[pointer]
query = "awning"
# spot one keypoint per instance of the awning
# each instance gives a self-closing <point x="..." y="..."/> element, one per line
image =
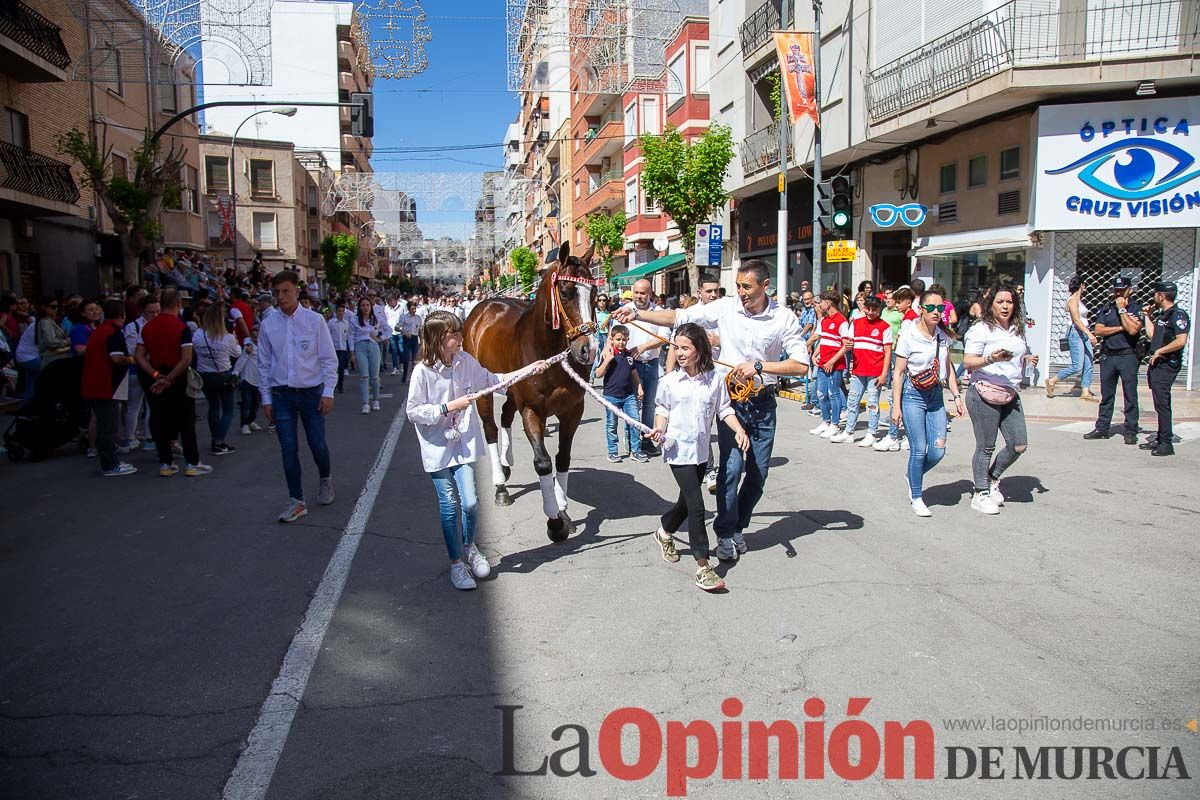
<point x="649" y="268"/>
<point x="1013" y="237"/>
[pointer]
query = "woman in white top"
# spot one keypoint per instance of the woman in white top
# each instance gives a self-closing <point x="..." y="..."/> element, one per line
<point x="922" y="363"/>
<point x="1081" y="342"/>
<point x="451" y="436"/>
<point x="685" y="403"/>
<point x="365" y="338"/>
<point x="995" y="352"/>
<point x="215" y="350"/>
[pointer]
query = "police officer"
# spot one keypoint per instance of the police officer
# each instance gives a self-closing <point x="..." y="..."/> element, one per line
<point x="1167" y="326"/>
<point x="1118" y="325"/>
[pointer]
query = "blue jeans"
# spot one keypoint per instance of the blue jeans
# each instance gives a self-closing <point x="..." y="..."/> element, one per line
<point x="396" y="348"/>
<point x="648" y="372"/>
<point x="860" y="385"/>
<point x="1081" y="359"/>
<point x="291" y="407"/>
<point x="629" y="406"/>
<point x="219" y="396"/>
<point x="925" y="421"/>
<point x="457" y="501"/>
<point x="29" y="371"/>
<point x="735" y="505"/>
<point x="366" y="356"/>
<point x="831" y="396"/>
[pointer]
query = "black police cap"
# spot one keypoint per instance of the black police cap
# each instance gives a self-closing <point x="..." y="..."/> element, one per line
<point x="1121" y="282"/>
<point x="1166" y="286"/>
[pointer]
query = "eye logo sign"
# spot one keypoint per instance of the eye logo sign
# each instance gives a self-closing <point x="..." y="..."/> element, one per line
<point x="1134" y="170"/>
<point x="885" y="215"/>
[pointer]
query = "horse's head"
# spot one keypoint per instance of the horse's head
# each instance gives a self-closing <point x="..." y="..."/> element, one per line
<point x="573" y="301"/>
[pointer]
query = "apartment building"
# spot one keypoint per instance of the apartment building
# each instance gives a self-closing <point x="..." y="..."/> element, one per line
<point x="984" y="114"/>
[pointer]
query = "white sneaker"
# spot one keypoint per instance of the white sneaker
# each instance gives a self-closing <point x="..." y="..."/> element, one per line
<point x="375" y="406"/>
<point x="739" y="542"/>
<point x="867" y="441"/>
<point x="710" y="481"/>
<point x="460" y="576"/>
<point x="994" y="491"/>
<point x="820" y="429"/>
<point x="814" y="412"/>
<point x="830" y="432"/>
<point x="841" y="436"/>
<point x="395" y="372"/>
<point x="479" y="563"/>
<point x="887" y="445"/>
<point x="984" y="504"/>
<point x="920" y="509"/>
<point x="904" y="443"/>
<point x="366" y="409"/>
<point x="254" y="426"/>
<point x="246" y="430"/>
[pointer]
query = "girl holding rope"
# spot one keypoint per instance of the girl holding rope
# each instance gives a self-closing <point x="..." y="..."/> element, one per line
<point x="444" y="384"/>
<point x="687" y="400"/>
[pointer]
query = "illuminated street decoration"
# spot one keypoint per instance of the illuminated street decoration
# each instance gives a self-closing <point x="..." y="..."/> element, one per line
<point x="393" y="34"/>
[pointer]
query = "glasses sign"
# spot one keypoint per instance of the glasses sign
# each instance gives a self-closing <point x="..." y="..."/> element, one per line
<point x="885" y="215"/>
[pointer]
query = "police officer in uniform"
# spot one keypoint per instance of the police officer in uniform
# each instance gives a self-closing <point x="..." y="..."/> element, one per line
<point x="1167" y="326"/>
<point x="1118" y="325"/>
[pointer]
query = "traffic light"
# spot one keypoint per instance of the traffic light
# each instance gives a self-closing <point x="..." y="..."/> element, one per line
<point x="362" y="114"/>
<point x="835" y="208"/>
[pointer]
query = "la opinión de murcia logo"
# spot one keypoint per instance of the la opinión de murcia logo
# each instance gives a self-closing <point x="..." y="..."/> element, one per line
<point x="853" y="749"/>
<point x="1132" y="174"/>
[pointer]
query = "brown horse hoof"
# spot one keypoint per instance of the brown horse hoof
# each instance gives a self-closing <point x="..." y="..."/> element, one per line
<point x="558" y="529"/>
<point x="503" y="499"/>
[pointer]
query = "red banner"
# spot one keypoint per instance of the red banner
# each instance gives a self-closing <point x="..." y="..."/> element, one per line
<point x="795" y="50"/>
<point x="225" y="214"/>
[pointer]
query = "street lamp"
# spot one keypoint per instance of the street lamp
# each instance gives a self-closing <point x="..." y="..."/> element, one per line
<point x="287" y="111"/>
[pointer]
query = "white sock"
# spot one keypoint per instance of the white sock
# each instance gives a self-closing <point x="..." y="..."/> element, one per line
<point x="497" y="471"/>
<point x="549" y="500"/>
<point x="560" y="490"/>
<point x="506" y="454"/>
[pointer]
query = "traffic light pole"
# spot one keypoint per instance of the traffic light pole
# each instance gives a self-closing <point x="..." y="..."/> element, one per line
<point x="817" y="254"/>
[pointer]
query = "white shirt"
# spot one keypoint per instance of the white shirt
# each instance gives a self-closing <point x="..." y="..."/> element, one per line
<point x="410" y="324"/>
<point x="428" y="389"/>
<point x="339" y="331"/>
<point x="750" y="337"/>
<point x="214" y="355"/>
<point x="983" y="340"/>
<point x="392" y="316"/>
<point x="133" y="336"/>
<point x="368" y="332"/>
<point x="920" y="351"/>
<point x="26" y="349"/>
<point x="640" y="339"/>
<point x="246" y="367"/>
<point x="689" y="405"/>
<point x="296" y="351"/>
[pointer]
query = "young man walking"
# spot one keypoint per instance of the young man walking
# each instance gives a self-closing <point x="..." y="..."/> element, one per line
<point x="297" y="368"/>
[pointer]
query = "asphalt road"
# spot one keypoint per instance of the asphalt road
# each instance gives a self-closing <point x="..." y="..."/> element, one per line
<point x="144" y="621"/>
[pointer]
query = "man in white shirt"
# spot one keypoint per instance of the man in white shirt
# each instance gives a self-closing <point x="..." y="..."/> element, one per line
<point x="645" y="349"/>
<point x="391" y="317"/>
<point x="755" y="331"/>
<point x="148" y="305"/>
<point x="409" y="326"/>
<point x="297" y="368"/>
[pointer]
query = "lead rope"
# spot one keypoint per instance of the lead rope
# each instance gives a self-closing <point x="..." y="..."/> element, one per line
<point x="739" y="390"/>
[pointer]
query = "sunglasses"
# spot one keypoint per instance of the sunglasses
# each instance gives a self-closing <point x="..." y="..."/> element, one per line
<point x="939" y="308"/>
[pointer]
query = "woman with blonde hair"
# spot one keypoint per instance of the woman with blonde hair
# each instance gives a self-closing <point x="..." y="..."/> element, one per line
<point x="216" y="349"/>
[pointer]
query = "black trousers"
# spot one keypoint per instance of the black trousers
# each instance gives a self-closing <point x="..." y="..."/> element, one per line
<point x="173" y="416"/>
<point x="689" y="506"/>
<point x="1125" y="367"/>
<point x="1161" y="377"/>
<point x="106" y="432"/>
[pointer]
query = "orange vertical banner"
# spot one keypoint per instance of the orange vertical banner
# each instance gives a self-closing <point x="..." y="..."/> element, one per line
<point x="795" y="50"/>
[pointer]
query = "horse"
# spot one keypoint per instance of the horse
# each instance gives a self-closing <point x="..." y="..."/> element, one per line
<point x="506" y="334"/>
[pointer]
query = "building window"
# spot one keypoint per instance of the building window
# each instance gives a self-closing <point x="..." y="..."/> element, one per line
<point x="701" y="70"/>
<point x="650" y="121"/>
<point x="977" y="171"/>
<point x="216" y="174"/>
<point x="677" y="78"/>
<point x="631" y="198"/>
<point x="265" y="237"/>
<point x="262" y="177"/>
<point x="314" y="244"/>
<point x="312" y="201"/>
<point x="16" y="128"/>
<point x="1010" y="163"/>
<point x="120" y="166"/>
<point x="189" y="200"/>
<point x="112" y="60"/>
<point x="166" y="89"/>
<point x="649" y="204"/>
<point x="949" y="178"/>
<point x="727" y="25"/>
<point x="833" y="59"/>
<point x="630" y="123"/>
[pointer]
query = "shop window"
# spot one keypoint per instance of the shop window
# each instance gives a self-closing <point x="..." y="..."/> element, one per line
<point x="1010" y="163"/>
<point x="948" y="178"/>
<point x="964" y="272"/>
<point x="977" y="171"/>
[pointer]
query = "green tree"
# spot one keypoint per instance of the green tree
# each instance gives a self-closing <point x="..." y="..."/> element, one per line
<point x="339" y="252"/>
<point x="686" y="179"/>
<point x="607" y="233"/>
<point x="776" y="88"/>
<point x="525" y="262"/>
<point x="134" y="204"/>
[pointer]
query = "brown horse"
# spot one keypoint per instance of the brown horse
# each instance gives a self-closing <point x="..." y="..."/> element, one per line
<point x="505" y="334"/>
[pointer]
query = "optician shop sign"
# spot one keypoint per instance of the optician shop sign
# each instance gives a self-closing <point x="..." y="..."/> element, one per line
<point x="1107" y="166"/>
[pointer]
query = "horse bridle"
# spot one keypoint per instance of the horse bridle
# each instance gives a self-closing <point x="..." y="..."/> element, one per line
<point x="559" y="312"/>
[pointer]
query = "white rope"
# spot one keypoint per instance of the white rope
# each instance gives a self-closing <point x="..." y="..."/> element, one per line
<point x="587" y="387"/>
<point x="518" y="376"/>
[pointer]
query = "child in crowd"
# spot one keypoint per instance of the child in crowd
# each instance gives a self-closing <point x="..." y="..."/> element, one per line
<point x="247" y="370"/>
<point x="623" y="389"/>
<point x="451" y="435"/>
<point x="686" y="401"/>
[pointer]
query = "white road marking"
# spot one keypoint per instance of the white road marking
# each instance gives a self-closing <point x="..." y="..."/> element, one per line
<point x="256" y="764"/>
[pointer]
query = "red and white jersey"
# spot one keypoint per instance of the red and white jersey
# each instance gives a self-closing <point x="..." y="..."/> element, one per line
<point x="833" y="330"/>
<point x="869" y="341"/>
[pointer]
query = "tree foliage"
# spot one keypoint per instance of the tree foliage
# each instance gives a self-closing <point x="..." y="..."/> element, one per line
<point x="525" y="262"/>
<point x="607" y="233"/>
<point x="686" y="179"/>
<point x="339" y="253"/>
<point x="134" y="204"/>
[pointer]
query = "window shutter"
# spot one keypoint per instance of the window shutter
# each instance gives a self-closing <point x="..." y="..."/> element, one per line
<point x="948" y="212"/>
<point x="1009" y="202"/>
<point x="261" y="177"/>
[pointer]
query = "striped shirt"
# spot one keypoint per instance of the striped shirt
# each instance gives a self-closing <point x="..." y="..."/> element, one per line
<point x="869" y="340"/>
<point x="834" y="329"/>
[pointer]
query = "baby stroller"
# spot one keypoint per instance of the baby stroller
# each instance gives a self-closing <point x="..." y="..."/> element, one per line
<point x="52" y="416"/>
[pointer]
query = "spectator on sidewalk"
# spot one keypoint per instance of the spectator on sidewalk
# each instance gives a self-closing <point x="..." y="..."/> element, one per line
<point x="136" y="425"/>
<point x="246" y="370"/>
<point x="215" y="350"/>
<point x="105" y="384"/>
<point x="872" y="342"/>
<point x="831" y="365"/>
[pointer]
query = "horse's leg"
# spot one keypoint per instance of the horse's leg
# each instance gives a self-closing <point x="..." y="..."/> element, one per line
<point x="507" y="412"/>
<point x="568" y="423"/>
<point x="499" y="473"/>
<point x="535" y="430"/>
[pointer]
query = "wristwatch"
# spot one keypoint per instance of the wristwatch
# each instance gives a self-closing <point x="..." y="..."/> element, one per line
<point x="758" y="365"/>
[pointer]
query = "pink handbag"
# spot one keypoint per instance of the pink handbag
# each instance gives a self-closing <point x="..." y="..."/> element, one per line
<point x="994" y="394"/>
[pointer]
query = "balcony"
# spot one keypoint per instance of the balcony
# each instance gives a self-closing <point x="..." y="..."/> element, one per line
<point x="347" y="58"/>
<point x="344" y="116"/>
<point x="31" y="46"/>
<point x="346" y="81"/>
<point x="605" y="138"/>
<point x="760" y="150"/>
<point x="34" y="180"/>
<point x="756" y="30"/>
<point x="1015" y="36"/>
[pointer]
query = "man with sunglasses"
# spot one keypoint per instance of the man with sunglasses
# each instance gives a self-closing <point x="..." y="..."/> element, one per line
<point x="1118" y="324"/>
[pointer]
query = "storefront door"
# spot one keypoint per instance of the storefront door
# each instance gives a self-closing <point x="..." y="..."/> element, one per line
<point x="889" y="257"/>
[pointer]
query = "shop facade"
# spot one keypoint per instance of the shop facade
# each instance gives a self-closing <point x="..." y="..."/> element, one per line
<point x="757" y="231"/>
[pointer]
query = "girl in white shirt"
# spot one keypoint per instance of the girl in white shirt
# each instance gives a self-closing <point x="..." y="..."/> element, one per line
<point x="365" y="335"/>
<point x="922" y="364"/>
<point x="215" y="350"/>
<point x="451" y="435"/>
<point x="685" y="404"/>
